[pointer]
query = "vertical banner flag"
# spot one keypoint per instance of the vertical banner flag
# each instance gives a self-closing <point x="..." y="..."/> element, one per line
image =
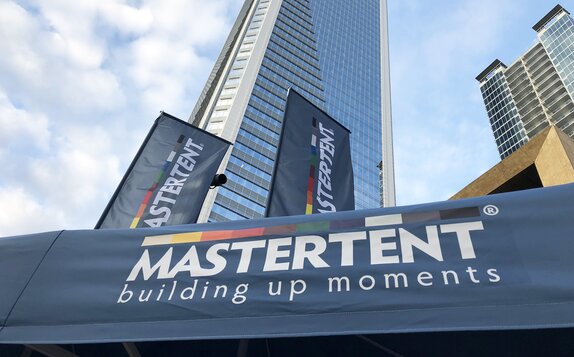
<point x="168" y="179"/>
<point x="313" y="170"/>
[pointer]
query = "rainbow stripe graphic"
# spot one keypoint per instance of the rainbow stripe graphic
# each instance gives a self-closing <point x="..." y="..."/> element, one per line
<point x="311" y="227"/>
<point x="158" y="179"/>
<point x="311" y="181"/>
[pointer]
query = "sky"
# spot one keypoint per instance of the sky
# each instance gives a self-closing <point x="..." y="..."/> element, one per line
<point x="81" y="83"/>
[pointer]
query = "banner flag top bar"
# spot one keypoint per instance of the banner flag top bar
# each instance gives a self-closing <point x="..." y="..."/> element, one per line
<point x="168" y="179"/>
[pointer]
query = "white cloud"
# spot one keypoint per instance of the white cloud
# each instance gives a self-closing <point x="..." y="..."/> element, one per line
<point x="20" y="127"/>
<point x="49" y="67"/>
<point x="26" y="215"/>
<point x="80" y="84"/>
<point x="84" y="166"/>
<point x="126" y="19"/>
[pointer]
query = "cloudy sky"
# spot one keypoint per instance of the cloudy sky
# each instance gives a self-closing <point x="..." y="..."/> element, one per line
<point x="81" y="82"/>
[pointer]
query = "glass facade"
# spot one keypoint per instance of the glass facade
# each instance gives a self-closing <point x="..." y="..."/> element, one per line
<point x="327" y="50"/>
<point x="557" y="37"/>
<point x="349" y="54"/>
<point x="537" y="89"/>
<point x="507" y="127"/>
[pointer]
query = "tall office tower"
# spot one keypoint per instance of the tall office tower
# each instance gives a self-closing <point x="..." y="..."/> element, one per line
<point x="537" y="90"/>
<point x="334" y="52"/>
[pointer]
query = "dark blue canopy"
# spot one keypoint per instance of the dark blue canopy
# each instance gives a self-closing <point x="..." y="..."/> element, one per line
<point x="495" y="263"/>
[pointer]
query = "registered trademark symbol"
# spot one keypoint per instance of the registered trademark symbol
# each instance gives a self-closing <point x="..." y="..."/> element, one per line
<point x="490" y="210"/>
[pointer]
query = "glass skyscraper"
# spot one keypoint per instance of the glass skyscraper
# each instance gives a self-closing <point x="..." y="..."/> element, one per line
<point x="537" y="90"/>
<point x="334" y="52"/>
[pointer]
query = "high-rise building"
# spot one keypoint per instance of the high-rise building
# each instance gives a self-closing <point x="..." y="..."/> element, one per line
<point x="535" y="91"/>
<point x="334" y="52"/>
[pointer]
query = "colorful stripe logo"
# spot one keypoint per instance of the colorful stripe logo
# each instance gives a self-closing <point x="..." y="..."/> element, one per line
<point x="311" y="181"/>
<point x="311" y="227"/>
<point x="155" y="184"/>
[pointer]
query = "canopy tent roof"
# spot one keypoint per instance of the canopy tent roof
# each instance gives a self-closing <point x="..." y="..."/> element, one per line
<point x="472" y="275"/>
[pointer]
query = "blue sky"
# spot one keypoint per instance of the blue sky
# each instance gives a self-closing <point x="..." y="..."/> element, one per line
<point x="82" y="81"/>
<point x="442" y="136"/>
